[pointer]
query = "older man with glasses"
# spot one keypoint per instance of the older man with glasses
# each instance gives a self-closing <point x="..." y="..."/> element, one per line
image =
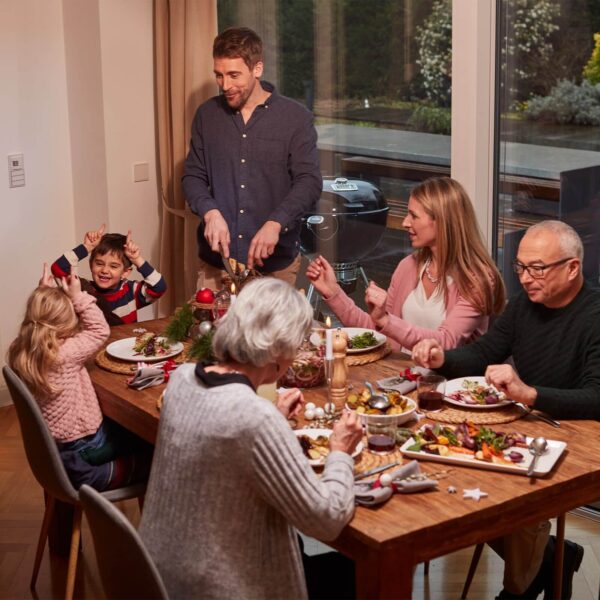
<point x="552" y="332"/>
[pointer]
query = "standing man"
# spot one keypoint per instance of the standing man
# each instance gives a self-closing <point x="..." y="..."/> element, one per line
<point x="552" y="331"/>
<point x="252" y="170"/>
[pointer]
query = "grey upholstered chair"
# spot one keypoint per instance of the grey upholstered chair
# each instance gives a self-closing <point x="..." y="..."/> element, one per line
<point x="126" y="568"/>
<point x="49" y="471"/>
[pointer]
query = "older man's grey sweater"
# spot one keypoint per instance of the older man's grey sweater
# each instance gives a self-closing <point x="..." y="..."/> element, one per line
<point x="229" y="484"/>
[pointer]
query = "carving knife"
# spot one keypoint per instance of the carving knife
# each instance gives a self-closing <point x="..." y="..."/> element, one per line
<point x="228" y="268"/>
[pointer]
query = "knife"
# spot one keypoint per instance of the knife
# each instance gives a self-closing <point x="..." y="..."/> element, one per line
<point x="228" y="268"/>
<point x="376" y="470"/>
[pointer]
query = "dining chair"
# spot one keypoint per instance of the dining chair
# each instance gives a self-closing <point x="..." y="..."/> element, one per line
<point x="126" y="568"/>
<point x="49" y="471"/>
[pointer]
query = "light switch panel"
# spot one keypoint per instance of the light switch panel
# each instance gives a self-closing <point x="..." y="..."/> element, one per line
<point x="16" y="170"/>
<point x="141" y="172"/>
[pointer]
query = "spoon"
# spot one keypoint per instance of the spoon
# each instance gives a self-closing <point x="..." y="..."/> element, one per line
<point x="377" y="401"/>
<point x="537" y="447"/>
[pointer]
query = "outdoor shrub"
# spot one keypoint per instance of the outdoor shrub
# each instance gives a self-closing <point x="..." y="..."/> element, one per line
<point x="591" y="71"/>
<point x="434" y="40"/>
<point x="567" y="103"/>
<point x="431" y="120"/>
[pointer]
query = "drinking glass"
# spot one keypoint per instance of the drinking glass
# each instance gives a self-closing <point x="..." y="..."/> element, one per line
<point x="430" y="392"/>
<point x="381" y="435"/>
<point x="221" y="305"/>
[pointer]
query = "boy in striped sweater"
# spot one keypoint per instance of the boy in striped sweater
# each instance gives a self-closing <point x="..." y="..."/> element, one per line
<point x="112" y="256"/>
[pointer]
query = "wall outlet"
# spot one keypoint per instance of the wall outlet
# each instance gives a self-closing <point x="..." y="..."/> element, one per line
<point x="16" y="170"/>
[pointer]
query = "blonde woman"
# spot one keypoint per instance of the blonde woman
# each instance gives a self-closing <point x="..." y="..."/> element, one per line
<point x="446" y="290"/>
<point x="61" y="330"/>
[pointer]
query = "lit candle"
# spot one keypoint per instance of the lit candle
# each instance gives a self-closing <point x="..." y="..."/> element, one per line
<point x="328" y="340"/>
<point x="233" y="297"/>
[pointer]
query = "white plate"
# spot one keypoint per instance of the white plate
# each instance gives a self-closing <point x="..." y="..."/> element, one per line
<point x="352" y="331"/>
<point x="315" y="433"/>
<point x="543" y="466"/>
<point x="455" y="385"/>
<point x="123" y="349"/>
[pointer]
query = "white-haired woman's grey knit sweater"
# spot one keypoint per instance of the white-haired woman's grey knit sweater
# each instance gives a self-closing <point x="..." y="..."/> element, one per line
<point x="229" y="484"/>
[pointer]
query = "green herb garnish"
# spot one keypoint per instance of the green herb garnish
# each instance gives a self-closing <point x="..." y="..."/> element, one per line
<point x="364" y="340"/>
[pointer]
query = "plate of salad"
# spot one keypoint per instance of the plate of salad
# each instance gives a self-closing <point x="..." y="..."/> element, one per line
<point x="480" y="447"/>
<point x="147" y="347"/>
<point x="474" y="393"/>
<point x="363" y="340"/>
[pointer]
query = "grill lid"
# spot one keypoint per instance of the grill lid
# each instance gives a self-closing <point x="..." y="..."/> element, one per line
<point x="344" y="196"/>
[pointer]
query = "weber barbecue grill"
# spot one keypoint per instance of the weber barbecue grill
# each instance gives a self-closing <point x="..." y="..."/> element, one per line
<point x="348" y="222"/>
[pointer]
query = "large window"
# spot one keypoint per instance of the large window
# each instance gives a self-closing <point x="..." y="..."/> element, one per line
<point x="549" y="123"/>
<point x="377" y="77"/>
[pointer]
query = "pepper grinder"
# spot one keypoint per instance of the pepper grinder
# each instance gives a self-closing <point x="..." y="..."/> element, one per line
<point x="338" y="391"/>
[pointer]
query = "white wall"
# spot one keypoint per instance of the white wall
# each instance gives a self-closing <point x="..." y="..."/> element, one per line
<point x="78" y="101"/>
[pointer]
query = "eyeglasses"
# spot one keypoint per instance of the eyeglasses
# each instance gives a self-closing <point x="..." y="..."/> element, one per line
<point x="537" y="271"/>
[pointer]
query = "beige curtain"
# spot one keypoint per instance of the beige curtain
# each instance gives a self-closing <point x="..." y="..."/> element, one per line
<point x="184" y="31"/>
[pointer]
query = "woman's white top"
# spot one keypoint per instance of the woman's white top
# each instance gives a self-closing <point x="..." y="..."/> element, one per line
<point x="422" y="311"/>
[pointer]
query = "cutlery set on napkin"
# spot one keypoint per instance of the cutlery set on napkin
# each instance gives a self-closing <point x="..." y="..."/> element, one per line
<point x="148" y="375"/>
<point x="402" y="384"/>
<point x="407" y="479"/>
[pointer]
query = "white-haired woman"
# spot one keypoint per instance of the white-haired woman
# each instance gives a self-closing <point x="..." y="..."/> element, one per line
<point x="229" y="482"/>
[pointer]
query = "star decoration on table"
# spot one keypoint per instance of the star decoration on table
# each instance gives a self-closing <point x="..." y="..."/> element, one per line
<point x="475" y="494"/>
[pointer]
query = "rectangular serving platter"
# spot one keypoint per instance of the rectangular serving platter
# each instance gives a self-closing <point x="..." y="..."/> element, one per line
<point x="544" y="465"/>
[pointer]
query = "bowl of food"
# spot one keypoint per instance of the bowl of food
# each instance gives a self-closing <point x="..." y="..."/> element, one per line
<point x="401" y="408"/>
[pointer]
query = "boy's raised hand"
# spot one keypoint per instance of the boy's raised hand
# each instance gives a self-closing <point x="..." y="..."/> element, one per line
<point x="132" y="251"/>
<point x="71" y="284"/>
<point x="92" y="238"/>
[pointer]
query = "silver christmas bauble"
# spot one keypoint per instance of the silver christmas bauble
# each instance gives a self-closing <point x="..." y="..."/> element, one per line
<point x="204" y="327"/>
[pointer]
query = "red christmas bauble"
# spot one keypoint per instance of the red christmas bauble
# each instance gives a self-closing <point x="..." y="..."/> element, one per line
<point x="205" y="296"/>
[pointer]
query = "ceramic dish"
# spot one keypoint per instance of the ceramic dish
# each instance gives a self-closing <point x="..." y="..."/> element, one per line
<point x="456" y="386"/>
<point x="123" y="350"/>
<point x="315" y="433"/>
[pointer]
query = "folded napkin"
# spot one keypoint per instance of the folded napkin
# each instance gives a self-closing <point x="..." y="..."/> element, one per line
<point x="407" y="479"/>
<point x="149" y="375"/>
<point x="402" y="384"/>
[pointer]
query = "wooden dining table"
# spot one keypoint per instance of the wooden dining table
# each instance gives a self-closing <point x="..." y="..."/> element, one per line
<point x="388" y="541"/>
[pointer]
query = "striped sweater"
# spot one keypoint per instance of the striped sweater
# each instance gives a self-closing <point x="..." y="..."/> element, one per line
<point x="119" y="304"/>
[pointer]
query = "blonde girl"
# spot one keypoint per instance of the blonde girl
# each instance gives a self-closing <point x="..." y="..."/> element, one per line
<point x="446" y="290"/>
<point x="61" y="330"/>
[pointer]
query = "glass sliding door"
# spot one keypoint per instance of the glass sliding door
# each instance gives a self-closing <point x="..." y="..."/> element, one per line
<point x="377" y="76"/>
<point x="549" y="123"/>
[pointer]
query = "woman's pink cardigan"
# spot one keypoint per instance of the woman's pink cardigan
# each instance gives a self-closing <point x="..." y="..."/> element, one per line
<point x="463" y="322"/>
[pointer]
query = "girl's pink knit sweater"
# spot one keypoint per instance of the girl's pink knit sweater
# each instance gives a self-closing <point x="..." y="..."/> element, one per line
<point x="74" y="412"/>
<point x="463" y="323"/>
